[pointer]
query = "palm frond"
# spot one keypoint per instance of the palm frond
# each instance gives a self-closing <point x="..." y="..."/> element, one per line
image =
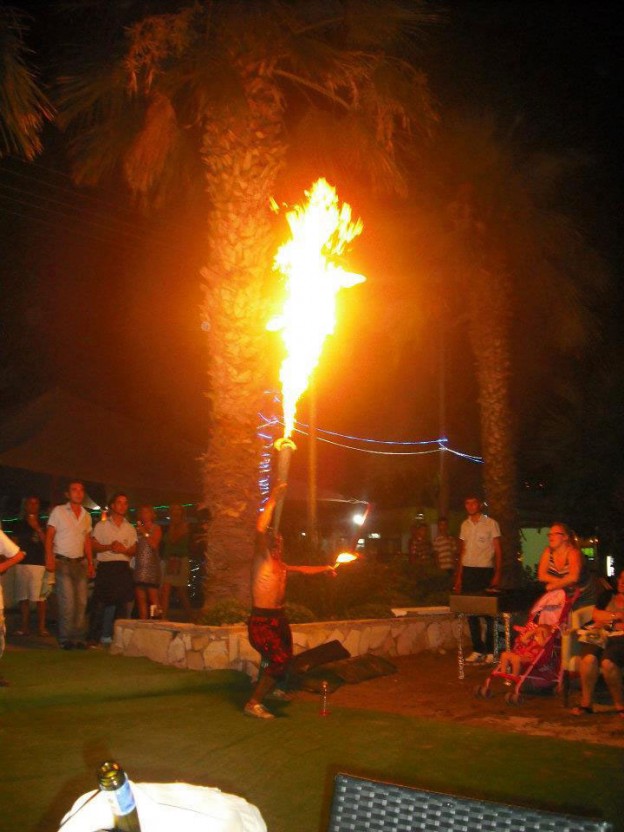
<point x="24" y="107"/>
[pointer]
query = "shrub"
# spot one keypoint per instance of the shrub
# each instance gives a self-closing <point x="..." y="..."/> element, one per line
<point x="226" y="611"/>
<point x="298" y="614"/>
<point x="370" y="611"/>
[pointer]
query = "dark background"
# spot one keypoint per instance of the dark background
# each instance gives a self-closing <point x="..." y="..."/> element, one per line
<point x="104" y="301"/>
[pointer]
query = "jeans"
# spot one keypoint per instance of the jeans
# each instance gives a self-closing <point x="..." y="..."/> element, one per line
<point x="71" y="594"/>
<point x="102" y="620"/>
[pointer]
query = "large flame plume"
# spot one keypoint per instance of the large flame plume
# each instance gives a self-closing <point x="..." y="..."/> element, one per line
<point x="320" y="230"/>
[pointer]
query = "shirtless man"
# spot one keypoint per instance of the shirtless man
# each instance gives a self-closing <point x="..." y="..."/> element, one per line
<point x="268" y="627"/>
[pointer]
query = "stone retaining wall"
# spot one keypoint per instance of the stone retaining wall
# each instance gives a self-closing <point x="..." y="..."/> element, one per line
<point x="219" y="648"/>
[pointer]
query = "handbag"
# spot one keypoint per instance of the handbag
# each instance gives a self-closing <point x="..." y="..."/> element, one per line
<point x="590" y="634"/>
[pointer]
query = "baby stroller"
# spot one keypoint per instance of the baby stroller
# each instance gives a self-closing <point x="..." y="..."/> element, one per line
<point x="543" y="670"/>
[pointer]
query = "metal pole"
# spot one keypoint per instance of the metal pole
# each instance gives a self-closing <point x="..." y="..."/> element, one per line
<point x="312" y="470"/>
<point x="443" y="493"/>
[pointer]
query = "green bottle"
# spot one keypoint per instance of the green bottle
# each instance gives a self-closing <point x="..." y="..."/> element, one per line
<point x="118" y="791"/>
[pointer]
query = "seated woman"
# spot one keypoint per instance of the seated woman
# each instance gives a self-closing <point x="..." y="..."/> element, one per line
<point x="606" y="657"/>
<point x="562" y="566"/>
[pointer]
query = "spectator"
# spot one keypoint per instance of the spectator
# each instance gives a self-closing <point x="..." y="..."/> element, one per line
<point x="114" y="541"/>
<point x="147" y="562"/>
<point x="68" y="554"/>
<point x="30" y="573"/>
<point x="10" y="555"/>
<point x="479" y="570"/>
<point x="420" y="551"/>
<point x="445" y="547"/>
<point x="563" y="566"/>
<point x="175" y="554"/>
<point x="606" y="655"/>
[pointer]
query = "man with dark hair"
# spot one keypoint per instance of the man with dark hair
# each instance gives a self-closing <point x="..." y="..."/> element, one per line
<point x="445" y="548"/>
<point x="268" y="627"/>
<point x="68" y="554"/>
<point x="479" y="570"/>
<point x="114" y="541"/>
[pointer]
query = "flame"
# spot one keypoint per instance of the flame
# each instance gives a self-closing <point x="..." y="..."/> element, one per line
<point x="320" y="231"/>
<point x="345" y="557"/>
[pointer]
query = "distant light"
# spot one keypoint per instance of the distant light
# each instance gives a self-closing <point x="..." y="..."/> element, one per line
<point x="610" y="566"/>
<point x="374" y="536"/>
<point x="359" y="519"/>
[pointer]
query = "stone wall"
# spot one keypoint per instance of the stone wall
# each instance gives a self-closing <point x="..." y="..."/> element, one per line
<point x="220" y="648"/>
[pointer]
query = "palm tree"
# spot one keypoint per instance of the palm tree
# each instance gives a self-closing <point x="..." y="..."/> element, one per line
<point x="215" y="93"/>
<point x="23" y="106"/>
<point x="512" y="279"/>
<point x="521" y="272"/>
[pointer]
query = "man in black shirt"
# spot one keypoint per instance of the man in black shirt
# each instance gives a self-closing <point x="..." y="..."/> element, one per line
<point x="30" y="573"/>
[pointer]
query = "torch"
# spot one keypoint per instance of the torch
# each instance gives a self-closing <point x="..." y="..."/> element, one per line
<point x="284" y="447"/>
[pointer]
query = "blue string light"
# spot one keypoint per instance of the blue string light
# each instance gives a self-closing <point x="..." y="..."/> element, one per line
<point x="442" y="443"/>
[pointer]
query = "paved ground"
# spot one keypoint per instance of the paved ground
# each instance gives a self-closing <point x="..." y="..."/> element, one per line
<point x="427" y="684"/>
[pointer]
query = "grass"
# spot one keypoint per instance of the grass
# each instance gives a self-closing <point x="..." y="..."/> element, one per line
<point x="66" y="712"/>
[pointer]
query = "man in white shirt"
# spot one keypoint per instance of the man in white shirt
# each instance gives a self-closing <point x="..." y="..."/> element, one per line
<point x="479" y="570"/>
<point x="68" y="554"/>
<point x="114" y="542"/>
<point x="10" y="555"/>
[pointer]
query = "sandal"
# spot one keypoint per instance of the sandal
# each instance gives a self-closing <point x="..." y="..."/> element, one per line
<point x="22" y="632"/>
<point x="582" y="710"/>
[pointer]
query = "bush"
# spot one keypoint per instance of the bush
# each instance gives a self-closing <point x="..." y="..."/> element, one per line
<point x="227" y="611"/>
<point x="298" y="614"/>
<point x="370" y="611"/>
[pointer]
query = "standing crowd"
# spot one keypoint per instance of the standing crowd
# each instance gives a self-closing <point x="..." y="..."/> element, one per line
<point x="130" y="565"/>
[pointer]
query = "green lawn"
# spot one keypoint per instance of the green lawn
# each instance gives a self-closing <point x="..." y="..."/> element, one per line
<point x="66" y="712"/>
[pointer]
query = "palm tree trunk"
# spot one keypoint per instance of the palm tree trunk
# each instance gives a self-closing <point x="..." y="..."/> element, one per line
<point x="242" y="158"/>
<point x="490" y="313"/>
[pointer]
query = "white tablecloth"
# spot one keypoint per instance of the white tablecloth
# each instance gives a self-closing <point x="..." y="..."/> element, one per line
<point x="166" y="806"/>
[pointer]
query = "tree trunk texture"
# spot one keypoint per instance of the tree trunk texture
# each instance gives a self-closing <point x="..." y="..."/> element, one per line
<point x="490" y="312"/>
<point x="242" y="154"/>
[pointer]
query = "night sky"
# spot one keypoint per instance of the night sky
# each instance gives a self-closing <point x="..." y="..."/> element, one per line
<point x="104" y="301"/>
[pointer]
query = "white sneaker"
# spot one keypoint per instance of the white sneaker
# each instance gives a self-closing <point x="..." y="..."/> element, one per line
<point x="489" y="658"/>
<point x="474" y="658"/>
<point x="257" y="710"/>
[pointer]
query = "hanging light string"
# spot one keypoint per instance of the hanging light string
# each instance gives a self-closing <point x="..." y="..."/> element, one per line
<point x="441" y="444"/>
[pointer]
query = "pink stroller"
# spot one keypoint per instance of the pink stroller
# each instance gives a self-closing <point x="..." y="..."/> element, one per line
<point x="540" y="660"/>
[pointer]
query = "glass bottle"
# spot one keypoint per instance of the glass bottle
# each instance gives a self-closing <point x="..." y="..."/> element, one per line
<point x="117" y="789"/>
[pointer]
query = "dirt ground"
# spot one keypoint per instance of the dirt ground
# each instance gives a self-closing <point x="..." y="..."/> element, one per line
<point x="427" y="685"/>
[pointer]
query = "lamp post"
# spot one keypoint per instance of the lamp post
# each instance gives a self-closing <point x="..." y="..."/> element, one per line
<point x="312" y="517"/>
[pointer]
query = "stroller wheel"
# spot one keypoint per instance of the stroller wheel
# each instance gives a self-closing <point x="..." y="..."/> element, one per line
<point x="482" y="692"/>
<point x="513" y="698"/>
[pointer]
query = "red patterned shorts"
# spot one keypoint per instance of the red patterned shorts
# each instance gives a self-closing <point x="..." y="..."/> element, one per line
<point x="269" y="634"/>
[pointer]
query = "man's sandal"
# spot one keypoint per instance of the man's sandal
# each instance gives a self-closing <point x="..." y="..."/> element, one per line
<point x="582" y="710"/>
